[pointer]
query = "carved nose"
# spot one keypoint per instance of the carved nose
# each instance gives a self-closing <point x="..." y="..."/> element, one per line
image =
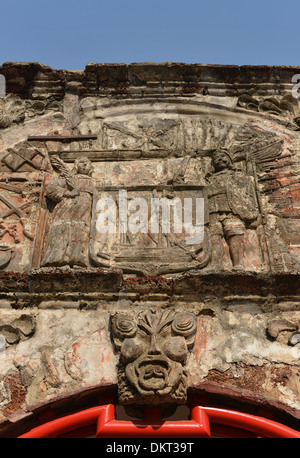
<point x="154" y="347"/>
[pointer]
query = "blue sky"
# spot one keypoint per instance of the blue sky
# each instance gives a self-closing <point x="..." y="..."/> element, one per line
<point x="69" y="34"/>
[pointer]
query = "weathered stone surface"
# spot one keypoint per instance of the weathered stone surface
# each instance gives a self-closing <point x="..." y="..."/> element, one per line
<point x="69" y="349"/>
<point x="225" y="135"/>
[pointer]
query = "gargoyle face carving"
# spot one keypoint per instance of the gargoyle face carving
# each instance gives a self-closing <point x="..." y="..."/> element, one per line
<point x="154" y="347"/>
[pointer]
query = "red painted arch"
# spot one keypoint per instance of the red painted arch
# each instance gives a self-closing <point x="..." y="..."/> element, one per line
<point x="229" y="423"/>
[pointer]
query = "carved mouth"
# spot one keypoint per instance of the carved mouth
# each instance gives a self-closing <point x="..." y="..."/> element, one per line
<point x="153" y="374"/>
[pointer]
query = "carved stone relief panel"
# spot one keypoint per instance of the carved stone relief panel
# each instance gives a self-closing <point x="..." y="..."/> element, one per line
<point x="24" y="170"/>
<point x="166" y="158"/>
<point x="153" y="155"/>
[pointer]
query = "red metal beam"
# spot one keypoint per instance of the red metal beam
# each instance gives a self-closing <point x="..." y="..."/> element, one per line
<point x="153" y="426"/>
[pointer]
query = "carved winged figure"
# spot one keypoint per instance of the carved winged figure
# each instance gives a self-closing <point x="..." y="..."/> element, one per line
<point x="68" y="233"/>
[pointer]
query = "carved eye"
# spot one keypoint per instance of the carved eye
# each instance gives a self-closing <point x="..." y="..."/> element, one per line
<point x="184" y="324"/>
<point x="131" y="349"/>
<point x="176" y="348"/>
<point x="123" y="326"/>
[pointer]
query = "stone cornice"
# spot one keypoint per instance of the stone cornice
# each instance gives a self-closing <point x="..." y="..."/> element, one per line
<point x="34" y="80"/>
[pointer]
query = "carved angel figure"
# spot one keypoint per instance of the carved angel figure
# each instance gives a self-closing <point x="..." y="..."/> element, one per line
<point x="68" y="234"/>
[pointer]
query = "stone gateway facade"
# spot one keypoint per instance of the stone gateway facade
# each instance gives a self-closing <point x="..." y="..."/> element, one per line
<point x="149" y="240"/>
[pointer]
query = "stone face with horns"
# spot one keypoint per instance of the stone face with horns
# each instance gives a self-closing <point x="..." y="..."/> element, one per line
<point x="154" y="348"/>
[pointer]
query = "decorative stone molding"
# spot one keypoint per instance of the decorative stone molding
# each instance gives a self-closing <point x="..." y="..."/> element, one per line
<point x="12" y="110"/>
<point x="18" y="329"/>
<point x="285" y="330"/>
